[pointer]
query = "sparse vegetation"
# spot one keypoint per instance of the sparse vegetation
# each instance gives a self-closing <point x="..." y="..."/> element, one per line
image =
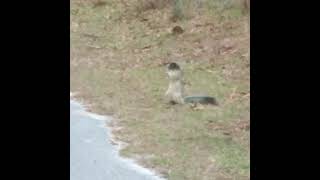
<point x="118" y="52"/>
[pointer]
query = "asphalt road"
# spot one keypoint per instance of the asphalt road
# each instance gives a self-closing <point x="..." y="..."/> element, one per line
<point x="92" y="156"/>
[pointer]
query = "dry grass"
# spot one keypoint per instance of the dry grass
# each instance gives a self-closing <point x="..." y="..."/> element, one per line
<point x="144" y="5"/>
<point x="117" y="66"/>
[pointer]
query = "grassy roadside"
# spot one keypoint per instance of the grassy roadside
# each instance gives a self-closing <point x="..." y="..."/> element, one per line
<point x="117" y="58"/>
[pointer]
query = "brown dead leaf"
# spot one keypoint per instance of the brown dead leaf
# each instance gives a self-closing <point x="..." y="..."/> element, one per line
<point x="177" y="30"/>
<point x="197" y="107"/>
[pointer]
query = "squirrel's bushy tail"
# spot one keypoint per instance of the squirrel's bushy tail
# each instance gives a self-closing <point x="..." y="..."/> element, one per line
<point x="201" y="100"/>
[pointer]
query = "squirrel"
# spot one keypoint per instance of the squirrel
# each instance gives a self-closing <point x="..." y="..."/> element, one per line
<point x="175" y="91"/>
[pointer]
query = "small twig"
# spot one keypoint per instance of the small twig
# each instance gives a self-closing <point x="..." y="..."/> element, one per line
<point x="231" y="95"/>
<point x="246" y="95"/>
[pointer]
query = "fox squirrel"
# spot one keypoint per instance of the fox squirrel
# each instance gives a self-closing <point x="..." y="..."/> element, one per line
<point x="175" y="90"/>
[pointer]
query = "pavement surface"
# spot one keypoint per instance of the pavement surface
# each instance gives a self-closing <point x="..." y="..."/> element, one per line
<point x="92" y="156"/>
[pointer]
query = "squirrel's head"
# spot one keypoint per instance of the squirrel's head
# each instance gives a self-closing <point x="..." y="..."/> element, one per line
<point x="173" y="66"/>
<point x="174" y="71"/>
